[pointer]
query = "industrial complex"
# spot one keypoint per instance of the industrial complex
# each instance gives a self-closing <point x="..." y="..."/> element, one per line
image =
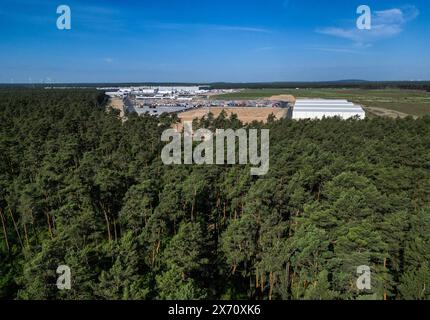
<point x="195" y="102"/>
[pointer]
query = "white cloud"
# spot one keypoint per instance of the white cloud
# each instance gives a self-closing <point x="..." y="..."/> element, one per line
<point x="385" y="24"/>
<point x="184" y="26"/>
<point x="261" y="49"/>
<point x="337" y="50"/>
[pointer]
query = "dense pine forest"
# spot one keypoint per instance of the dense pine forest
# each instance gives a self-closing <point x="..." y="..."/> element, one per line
<point x="82" y="188"/>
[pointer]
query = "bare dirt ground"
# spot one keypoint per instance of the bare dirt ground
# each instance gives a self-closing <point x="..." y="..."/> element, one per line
<point x="245" y="114"/>
<point x="117" y="104"/>
<point x="381" y="112"/>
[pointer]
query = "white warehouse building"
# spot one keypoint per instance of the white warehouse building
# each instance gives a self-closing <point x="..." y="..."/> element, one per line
<point x="320" y="108"/>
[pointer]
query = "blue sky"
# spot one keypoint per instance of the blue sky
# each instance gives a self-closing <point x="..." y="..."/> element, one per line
<point x="217" y="40"/>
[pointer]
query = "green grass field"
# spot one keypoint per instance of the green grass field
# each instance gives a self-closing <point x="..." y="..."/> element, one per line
<point x="411" y="102"/>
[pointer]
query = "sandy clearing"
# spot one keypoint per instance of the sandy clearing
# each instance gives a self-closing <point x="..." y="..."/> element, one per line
<point x="117" y="104"/>
<point x="245" y="114"/>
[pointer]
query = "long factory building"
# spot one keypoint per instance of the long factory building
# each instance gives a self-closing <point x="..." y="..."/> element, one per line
<point x="323" y="108"/>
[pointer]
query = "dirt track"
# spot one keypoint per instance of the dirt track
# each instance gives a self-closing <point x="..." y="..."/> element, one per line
<point x="381" y="112"/>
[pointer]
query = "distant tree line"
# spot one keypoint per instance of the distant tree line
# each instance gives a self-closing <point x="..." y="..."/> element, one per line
<point x="344" y="84"/>
<point x="347" y="84"/>
<point x="80" y="187"/>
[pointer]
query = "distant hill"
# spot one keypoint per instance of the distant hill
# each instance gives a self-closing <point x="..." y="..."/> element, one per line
<point x="352" y="81"/>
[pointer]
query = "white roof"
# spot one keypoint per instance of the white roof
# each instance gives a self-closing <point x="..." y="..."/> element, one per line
<point x="319" y="108"/>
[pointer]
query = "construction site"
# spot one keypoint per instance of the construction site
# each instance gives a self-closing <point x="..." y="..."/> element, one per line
<point x="196" y="103"/>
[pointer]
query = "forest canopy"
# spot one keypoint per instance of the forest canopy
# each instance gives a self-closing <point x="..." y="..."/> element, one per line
<point x="82" y="188"/>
